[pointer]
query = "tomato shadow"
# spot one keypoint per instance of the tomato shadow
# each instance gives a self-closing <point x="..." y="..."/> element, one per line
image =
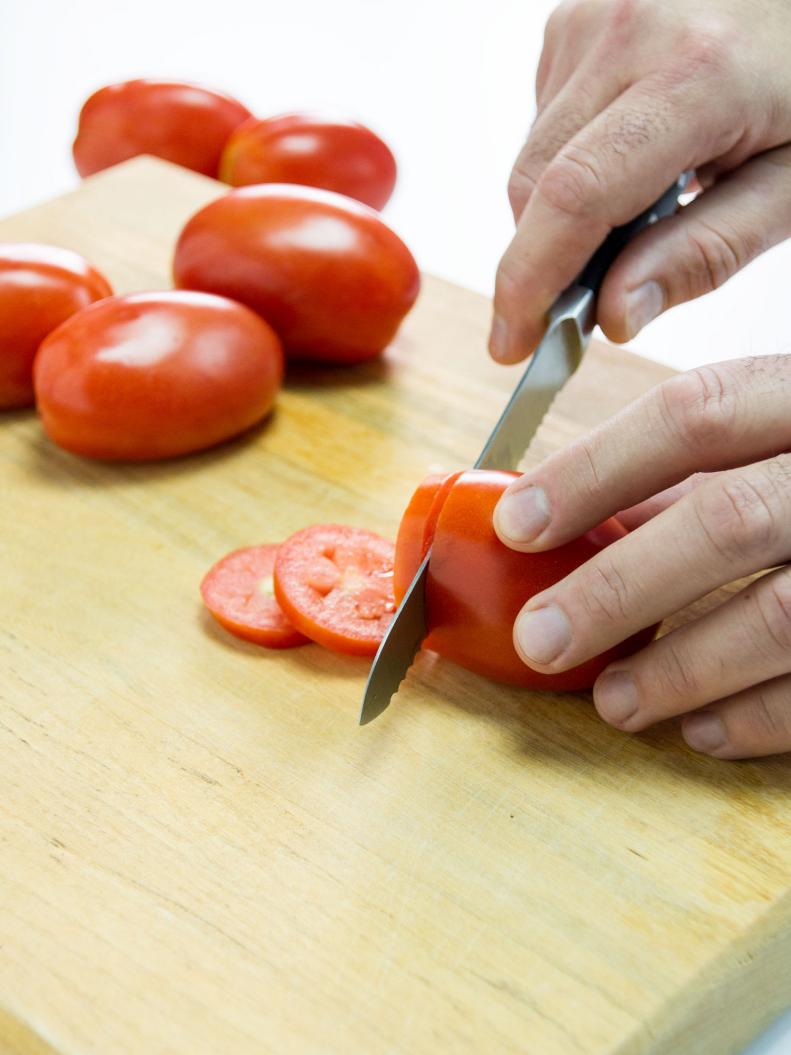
<point x="306" y="375"/>
<point x="309" y="657"/>
<point x="563" y="730"/>
<point x="57" y="466"/>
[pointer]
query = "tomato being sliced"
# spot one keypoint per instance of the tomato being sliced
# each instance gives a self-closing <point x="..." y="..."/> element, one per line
<point x="335" y="584"/>
<point x="239" y="593"/>
<point x="312" y="149"/>
<point x="476" y="586"/>
<point x="417" y="528"/>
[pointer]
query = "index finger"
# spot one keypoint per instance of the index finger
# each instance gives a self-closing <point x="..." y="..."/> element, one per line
<point x="607" y="173"/>
<point x="717" y="417"/>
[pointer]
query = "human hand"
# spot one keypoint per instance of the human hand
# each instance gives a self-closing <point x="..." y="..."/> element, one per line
<point x="729" y="672"/>
<point x="630" y="93"/>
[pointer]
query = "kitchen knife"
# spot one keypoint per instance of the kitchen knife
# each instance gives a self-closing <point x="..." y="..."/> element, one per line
<point x="570" y="323"/>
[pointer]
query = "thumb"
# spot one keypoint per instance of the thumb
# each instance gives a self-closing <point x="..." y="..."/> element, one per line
<point x="701" y="247"/>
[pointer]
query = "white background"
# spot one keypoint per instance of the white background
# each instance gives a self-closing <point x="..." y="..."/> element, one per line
<point x="449" y="83"/>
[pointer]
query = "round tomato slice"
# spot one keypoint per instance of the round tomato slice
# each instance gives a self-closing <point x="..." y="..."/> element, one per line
<point x="335" y="584"/>
<point x="239" y="593"/>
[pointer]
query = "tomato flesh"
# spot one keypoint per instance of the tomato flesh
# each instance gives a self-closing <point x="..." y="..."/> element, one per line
<point x="324" y="271"/>
<point x="239" y="592"/>
<point x="40" y="287"/>
<point x="416" y="529"/>
<point x="476" y="586"/>
<point x="335" y="584"/>
<point x="154" y="375"/>
<point x="312" y="150"/>
<point x="180" y="122"/>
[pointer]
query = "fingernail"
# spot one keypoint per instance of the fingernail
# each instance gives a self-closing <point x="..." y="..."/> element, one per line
<point x="642" y="306"/>
<point x="522" y="515"/>
<point x="542" y="635"/>
<point x="704" y="732"/>
<point x="498" y="339"/>
<point x="615" y="696"/>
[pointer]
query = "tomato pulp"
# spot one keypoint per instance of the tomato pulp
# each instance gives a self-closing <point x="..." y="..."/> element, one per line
<point x="239" y="592"/>
<point x="476" y="586"/>
<point x="40" y="287"/>
<point x="312" y="150"/>
<point x="183" y="123"/>
<point x="335" y="584"/>
<point x="152" y="375"/>
<point x="331" y="279"/>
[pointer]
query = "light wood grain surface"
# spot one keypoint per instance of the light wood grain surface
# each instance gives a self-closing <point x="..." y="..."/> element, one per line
<point x="200" y="852"/>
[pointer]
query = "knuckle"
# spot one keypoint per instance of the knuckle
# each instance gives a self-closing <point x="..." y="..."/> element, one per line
<point x="579" y="13"/>
<point x="624" y="16"/>
<point x="605" y="594"/>
<point x="709" y="45"/>
<point x="738" y="516"/>
<point x="520" y="186"/>
<point x="774" y="605"/>
<point x="715" y="254"/>
<point x="772" y="723"/>
<point x="571" y="184"/>
<point x="509" y="284"/>
<point x="674" y="674"/>
<point x="700" y="407"/>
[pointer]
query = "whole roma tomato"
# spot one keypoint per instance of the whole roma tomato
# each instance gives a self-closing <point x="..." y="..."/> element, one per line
<point x="323" y="270"/>
<point x="313" y="150"/>
<point x="152" y="375"/>
<point x="40" y="287"/>
<point x="179" y="122"/>
<point x="476" y="586"/>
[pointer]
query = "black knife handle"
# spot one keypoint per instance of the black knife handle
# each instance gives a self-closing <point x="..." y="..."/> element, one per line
<point x="599" y="264"/>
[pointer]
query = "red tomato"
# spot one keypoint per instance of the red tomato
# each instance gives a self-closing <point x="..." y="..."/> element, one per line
<point x="239" y="593"/>
<point x="152" y="375"/>
<point x="323" y="270"/>
<point x="416" y="529"/>
<point x="335" y="584"/>
<point x="40" y="287"/>
<point x="317" y="151"/>
<point x="476" y="586"/>
<point x="183" y="123"/>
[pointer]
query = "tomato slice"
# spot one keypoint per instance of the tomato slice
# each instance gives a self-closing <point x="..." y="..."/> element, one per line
<point x="417" y="526"/>
<point x="238" y="592"/>
<point x="335" y="584"/>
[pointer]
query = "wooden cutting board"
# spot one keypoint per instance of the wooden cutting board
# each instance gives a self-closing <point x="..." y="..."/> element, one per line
<point x="203" y="853"/>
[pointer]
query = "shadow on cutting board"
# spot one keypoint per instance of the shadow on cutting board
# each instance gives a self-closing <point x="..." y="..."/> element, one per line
<point x="564" y="730"/>
<point x="58" y="467"/>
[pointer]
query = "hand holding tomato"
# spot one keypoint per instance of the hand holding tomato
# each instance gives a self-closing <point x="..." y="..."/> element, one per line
<point x="476" y="586"/>
<point x="729" y="672"/>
